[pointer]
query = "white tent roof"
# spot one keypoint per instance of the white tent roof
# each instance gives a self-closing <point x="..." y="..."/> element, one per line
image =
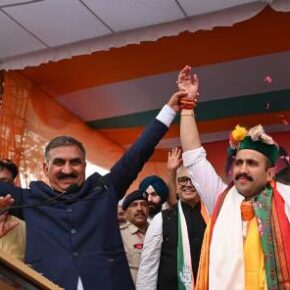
<point x="34" y="32"/>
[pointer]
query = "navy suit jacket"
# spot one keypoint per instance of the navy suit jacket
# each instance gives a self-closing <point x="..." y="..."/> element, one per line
<point x="79" y="236"/>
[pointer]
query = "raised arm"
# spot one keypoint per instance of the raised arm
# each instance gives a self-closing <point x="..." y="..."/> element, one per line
<point x="204" y="177"/>
<point x="188" y="129"/>
<point x="131" y="163"/>
<point x="174" y="160"/>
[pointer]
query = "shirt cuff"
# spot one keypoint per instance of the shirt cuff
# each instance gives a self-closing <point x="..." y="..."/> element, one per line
<point x="166" y="115"/>
<point x="192" y="157"/>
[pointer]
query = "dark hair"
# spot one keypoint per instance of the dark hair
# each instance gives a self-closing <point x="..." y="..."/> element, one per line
<point x="63" y="141"/>
<point x="269" y="163"/>
<point x="229" y="166"/>
<point x="10" y="166"/>
<point x="282" y="151"/>
<point x="283" y="176"/>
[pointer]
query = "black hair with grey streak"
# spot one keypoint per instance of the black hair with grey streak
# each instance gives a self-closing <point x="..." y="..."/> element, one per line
<point x="63" y="141"/>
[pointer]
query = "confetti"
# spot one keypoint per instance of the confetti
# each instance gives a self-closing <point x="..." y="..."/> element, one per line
<point x="281" y="116"/>
<point x="268" y="80"/>
<point x="284" y="121"/>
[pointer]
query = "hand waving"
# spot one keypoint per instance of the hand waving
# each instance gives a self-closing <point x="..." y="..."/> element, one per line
<point x="174" y="159"/>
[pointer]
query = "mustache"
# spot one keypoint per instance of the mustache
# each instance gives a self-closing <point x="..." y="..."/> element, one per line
<point x="62" y="176"/>
<point x="139" y="214"/>
<point x="244" y="175"/>
<point x="182" y="187"/>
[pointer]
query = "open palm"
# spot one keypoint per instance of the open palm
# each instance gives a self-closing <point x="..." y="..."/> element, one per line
<point x="174" y="159"/>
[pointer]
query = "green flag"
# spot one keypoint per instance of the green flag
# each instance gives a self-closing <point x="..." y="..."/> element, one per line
<point x="184" y="266"/>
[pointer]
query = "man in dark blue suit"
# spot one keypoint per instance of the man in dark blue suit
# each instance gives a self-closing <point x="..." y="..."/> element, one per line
<point x="73" y="235"/>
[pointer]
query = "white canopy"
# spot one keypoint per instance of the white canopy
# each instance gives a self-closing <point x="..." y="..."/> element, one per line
<point x="39" y="31"/>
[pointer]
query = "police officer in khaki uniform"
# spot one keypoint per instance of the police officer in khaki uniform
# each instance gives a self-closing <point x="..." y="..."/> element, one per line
<point x="133" y="232"/>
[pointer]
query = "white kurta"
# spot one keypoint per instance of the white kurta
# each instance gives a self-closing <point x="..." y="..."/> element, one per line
<point x="226" y="269"/>
<point x="150" y="258"/>
<point x="209" y="184"/>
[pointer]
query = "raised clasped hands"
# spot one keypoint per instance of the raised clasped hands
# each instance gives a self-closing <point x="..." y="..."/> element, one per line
<point x="188" y="83"/>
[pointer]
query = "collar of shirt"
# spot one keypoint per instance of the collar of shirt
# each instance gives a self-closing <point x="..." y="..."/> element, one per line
<point x="134" y="229"/>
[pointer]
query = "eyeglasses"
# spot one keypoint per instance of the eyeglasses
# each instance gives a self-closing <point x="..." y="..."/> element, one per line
<point x="182" y="180"/>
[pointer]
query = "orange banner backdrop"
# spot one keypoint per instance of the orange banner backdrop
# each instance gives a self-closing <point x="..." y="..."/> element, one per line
<point x="30" y="118"/>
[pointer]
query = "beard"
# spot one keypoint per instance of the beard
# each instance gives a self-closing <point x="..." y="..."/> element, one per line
<point x="154" y="209"/>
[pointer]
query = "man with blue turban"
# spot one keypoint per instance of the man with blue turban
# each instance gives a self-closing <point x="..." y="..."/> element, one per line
<point x="157" y="192"/>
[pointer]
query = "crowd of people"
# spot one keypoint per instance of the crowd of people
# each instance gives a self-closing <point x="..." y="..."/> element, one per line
<point x="190" y="231"/>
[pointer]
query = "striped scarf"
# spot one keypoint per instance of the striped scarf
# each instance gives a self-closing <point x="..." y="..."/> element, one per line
<point x="274" y="230"/>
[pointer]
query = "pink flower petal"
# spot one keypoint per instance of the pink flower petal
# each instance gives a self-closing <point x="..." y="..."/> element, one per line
<point x="283" y="120"/>
<point x="268" y="80"/>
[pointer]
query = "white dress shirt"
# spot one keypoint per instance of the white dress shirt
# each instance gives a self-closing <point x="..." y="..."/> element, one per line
<point x="209" y="184"/>
<point x="204" y="177"/>
<point x="148" y="270"/>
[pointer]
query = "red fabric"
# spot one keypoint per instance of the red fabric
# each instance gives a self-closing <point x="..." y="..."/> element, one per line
<point x="138" y="246"/>
<point x="284" y="225"/>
